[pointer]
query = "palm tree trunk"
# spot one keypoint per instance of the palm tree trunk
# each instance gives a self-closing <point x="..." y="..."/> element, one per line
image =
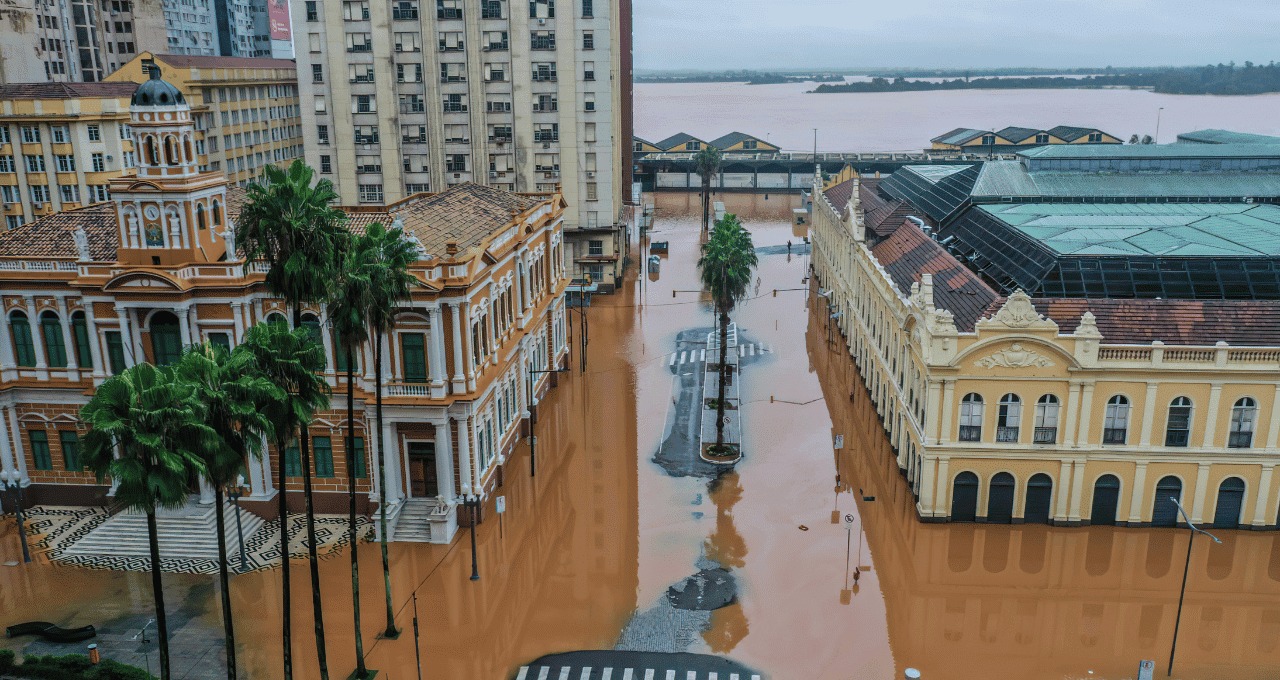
<point x="157" y="594"/>
<point x="286" y="614"/>
<point x="706" y="203"/>
<point x="361" y="672"/>
<point x="391" y="631"/>
<point x="228" y="627"/>
<point x="313" y="558"/>
<point x="724" y="377"/>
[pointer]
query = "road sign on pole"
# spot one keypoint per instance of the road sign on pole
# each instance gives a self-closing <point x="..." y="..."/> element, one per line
<point x="500" y="503"/>
<point x="839" y="442"/>
<point x="1146" y="669"/>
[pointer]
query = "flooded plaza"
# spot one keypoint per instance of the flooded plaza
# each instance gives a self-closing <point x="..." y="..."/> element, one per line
<point x="588" y="550"/>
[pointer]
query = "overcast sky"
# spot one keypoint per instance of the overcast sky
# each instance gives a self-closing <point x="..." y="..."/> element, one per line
<point x="764" y="34"/>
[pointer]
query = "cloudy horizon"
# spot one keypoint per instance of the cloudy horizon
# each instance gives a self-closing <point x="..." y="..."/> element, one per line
<point x="847" y="34"/>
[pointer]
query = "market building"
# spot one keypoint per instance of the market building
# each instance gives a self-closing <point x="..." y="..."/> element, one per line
<point x="91" y="291"/>
<point x="1075" y="336"/>
<point x="1012" y="138"/>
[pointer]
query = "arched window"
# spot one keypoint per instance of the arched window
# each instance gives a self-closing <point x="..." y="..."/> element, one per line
<point x="80" y="335"/>
<point x="200" y="216"/>
<point x="1046" y="431"/>
<point x="170" y="150"/>
<point x="277" y="318"/>
<point x="1115" y="429"/>
<point x="186" y="145"/>
<point x="1228" y="510"/>
<point x="1244" y="416"/>
<point x="1010" y="416"/>
<point x="166" y="339"/>
<point x="24" y="349"/>
<point x="1177" y="431"/>
<point x="153" y="151"/>
<point x="55" y="350"/>
<point x="971" y="418"/>
<point x="312" y="324"/>
<point x="217" y="214"/>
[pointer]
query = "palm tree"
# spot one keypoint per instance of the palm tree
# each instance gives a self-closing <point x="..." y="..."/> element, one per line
<point x="153" y="422"/>
<point x="230" y="395"/>
<point x="293" y="227"/>
<point x="725" y="267"/>
<point x="387" y="254"/>
<point x="707" y="163"/>
<point x="291" y="360"/>
<point x="352" y="298"/>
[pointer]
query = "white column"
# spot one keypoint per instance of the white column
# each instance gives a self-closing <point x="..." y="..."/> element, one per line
<point x="6" y="452"/>
<point x="255" y="473"/>
<point x="326" y="339"/>
<point x="464" y="453"/>
<point x="1201" y="492"/>
<point x="1211" y="417"/>
<point x="492" y="320"/>
<point x="64" y="316"/>
<point x="135" y="336"/>
<point x="459" y="381"/>
<point x="1138" y="491"/>
<point x="1086" y="413"/>
<point x="942" y="500"/>
<point x="7" y="359"/>
<point x="95" y="340"/>
<point x="1273" y="429"/>
<point x="391" y="459"/>
<point x="126" y="339"/>
<point x="435" y="351"/>
<point x="468" y="352"/>
<point x="947" y="406"/>
<point x="1148" y="415"/>
<point x="37" y="336"/>
<point x="206" y="492"/>
<point x="444" y="459"/>
<point x="1065" y="493"/>
<point x="387" y="375"/>
<point x="1068" y="424"/>
<point x="1262" y="515"/>
<point x="1077" y="491"/>
<point x="184" y="325"/>
<point x="193" y="326"/>
<point x="237" y="320"/>
<point x="19" y="454"/>
<point x="523" y="361"/>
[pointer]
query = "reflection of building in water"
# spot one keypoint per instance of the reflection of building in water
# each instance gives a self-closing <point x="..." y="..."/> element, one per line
<point x="1043" y="602"/>
<point x="1139" y="364"/>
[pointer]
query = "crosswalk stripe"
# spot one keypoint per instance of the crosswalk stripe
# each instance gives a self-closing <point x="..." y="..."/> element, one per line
<point x="524" y="670"/>
<point x="671" y="675"/>
<point x="608" y="673"/>
<point x="713" y="675"/>
<point x="682" y="357"/>
<point x="564" y="673"/>
<point x="542" y="675"/>
<point x="704" y="355"/>
<point x="586" y="673"/>
<point x="648" y="674"/>
<point x="755" y="677"/>
<point x="733" y="676"/>
<point x="692" y="675"/>
<point x="673" y="360"/>
<point x="626" y="674"/>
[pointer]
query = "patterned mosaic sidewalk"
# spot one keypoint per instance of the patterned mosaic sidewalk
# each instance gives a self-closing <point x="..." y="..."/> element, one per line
<point x="58" y="528"/>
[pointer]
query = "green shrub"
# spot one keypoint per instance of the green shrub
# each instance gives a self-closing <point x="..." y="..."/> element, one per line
<point x="6" y="660"/>
<point x="69" y="667"/>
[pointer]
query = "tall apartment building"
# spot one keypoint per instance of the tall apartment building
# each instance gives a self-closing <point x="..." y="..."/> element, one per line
<point x="86" y="40"/>
<point x="245" y="110"/>
<point x="60" y="146"/>
<point x="410" y="96"/>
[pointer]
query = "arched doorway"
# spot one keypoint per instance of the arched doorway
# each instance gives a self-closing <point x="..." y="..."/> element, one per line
<point x="1039" y="494"/>
<point x="1000" y="499"/>
<point x="166" y="339"/>
<point x="1230" y="501"/>
<point x="964" y="498"/>
<point x="1164" y="513"/>
<point x="1106" y="498"/>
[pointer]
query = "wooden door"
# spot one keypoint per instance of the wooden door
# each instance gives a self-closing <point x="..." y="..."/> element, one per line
<point x="423" y="481"/>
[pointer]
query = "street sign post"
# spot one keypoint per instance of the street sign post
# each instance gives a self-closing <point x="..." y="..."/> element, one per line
<point x="500" y="503"/>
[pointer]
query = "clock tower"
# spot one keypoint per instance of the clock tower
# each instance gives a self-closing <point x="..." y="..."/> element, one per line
<point x="170" y="213"/>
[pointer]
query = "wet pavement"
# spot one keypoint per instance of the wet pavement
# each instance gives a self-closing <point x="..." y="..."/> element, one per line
<point x="588" y="552"/>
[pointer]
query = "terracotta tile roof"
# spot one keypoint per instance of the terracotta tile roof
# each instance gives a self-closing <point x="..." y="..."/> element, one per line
<point x="838" y="196"/>
<point x="195" y="61"/>
<point x="67" y="90"/>
<point x="52" y="236"/>
<point x="883" y="215"/>
<point x="908" y="252"/>
<point x="1173" y="322"/>
<point x="466" y="213"/>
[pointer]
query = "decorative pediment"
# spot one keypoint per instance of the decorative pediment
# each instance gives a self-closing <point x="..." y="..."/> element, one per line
<point x="1018" y="313"/>
<point x="143" y="281"/>
<point x="143" y="185"/>
<point x="1015" y="356"/>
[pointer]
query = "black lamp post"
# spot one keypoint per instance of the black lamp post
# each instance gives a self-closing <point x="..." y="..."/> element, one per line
<point x="1183" y="593"/>
<point x="533" y="419"/>
<point x="472" y="501"/>
<point x="13" y="481"/>
<point x="235" y="493"/>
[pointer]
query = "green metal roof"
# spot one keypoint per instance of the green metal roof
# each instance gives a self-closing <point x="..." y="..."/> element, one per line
<point x="1147" y="229"/>
<point x="1213" y="136"/>
<point x="1128" y="151"/>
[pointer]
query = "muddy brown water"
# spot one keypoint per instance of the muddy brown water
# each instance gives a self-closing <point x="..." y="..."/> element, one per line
<point x="602" y="531"/>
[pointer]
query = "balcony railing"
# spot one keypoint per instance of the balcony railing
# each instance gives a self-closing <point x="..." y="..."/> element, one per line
<point x="1115" y="435"/>
<point x="970" y="433"/>
<point x="1046" y="435"/>
<point x="450" y="107"/>
<point x="449" y="13"/>
<point x="1240" y="440"/>
<point x="408" y="389"/>
<point x="404" y="13"/>
<point x="413" y="107"/>
<point x="1007" y="435"/>
<point x="546" y="108"/>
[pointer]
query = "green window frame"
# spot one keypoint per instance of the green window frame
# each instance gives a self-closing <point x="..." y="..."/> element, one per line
<point x="312" y="324"/>
<point x="357" y="457"/>
<point x="115" y="352"/>
<point x="40" y="449"/>
<point x="222" y="340"/>
<point x="292" y="461"/>
<point x="340" y="357"/>
<point x="70" y="441"/>
<point x="166" y="339"/>
<point x="55" y="350"/>
<point x="413" y="357"/>
<point x="80" y="335"/>
<point x="322" y="451"/>
<point x="24" y="348"/>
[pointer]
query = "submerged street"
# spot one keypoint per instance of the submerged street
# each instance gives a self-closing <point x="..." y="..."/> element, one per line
<point x="817" y="550"/>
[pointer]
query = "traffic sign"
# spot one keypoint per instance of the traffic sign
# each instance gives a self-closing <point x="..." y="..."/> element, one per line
<point x="500" y="503"/>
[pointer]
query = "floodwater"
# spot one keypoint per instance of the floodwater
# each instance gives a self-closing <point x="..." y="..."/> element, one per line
<point x="602" y="532"/>
<point x="906" y="121"/>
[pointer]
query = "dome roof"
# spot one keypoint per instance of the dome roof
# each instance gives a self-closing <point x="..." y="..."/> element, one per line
<point x="157" y="92"/>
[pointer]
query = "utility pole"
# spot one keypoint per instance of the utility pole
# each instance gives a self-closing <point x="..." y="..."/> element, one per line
<point x="1159" y="111"/>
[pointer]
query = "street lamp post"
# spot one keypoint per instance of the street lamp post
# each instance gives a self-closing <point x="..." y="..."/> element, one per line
<point x="235" y="495"/>
<point x="1159" y="112"/>
<point x="472" y="501"/>
<point x="12" y="480"/>
<point x="1186" y="568"/>
<point x="533" y="419"/>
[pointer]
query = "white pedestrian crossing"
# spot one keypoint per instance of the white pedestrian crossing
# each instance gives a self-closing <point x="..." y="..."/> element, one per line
<point x="700" y="355"/>
<point x="607" y="673"/>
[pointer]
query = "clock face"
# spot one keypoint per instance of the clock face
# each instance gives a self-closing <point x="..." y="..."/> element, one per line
<point x="152" y="212"/>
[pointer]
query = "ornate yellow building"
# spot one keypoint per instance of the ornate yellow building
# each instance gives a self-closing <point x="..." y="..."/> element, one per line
<point x="1002" y="407"/>
<point x="88" y="292"/>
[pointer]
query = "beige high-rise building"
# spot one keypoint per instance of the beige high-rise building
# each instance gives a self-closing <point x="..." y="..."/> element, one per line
<point x="413" y="96"/>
